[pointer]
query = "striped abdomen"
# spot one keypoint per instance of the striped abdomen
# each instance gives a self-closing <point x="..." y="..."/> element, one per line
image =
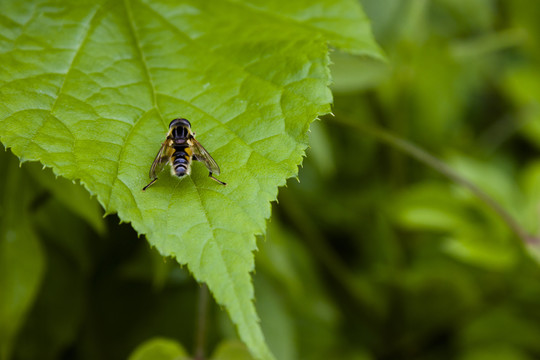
<point x="181" y="160"/>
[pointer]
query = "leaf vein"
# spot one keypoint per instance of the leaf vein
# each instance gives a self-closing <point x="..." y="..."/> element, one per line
<point x="64" y="81"/>
<point x="295" y="22"/>
<point x="214" y="54"/>
<point x="121" y="155"/>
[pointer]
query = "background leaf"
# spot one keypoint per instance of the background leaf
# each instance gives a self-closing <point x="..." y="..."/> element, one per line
<point x="90" y="87"/>
<point x="159" y="349"/>
<point x="230" y="350"/>
<point x="22" y="260"/>
<point x="76" y="198"/>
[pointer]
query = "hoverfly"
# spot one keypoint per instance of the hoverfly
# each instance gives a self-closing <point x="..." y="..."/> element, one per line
<point x="179" y="149"/>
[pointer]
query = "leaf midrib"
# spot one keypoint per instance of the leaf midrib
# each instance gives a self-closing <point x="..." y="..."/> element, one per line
<point x="276" y="86"/>
<point x="155" y="94"/>
<point x="139" y="121"/>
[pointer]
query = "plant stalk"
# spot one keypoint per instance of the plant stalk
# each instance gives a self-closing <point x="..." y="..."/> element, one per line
<point x="438" y="165"/>
<point x="201" y="326"/>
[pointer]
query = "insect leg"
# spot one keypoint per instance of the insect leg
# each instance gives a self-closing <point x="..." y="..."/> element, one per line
<point x="151" y="182"/>
<point x="219" y="181"/>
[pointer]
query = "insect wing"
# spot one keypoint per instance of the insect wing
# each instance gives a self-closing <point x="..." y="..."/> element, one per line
<point x="200" y="154"/>
<point x="162" y="157"/>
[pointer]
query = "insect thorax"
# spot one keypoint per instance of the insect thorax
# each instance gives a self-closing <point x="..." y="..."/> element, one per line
<point x="179" y="133"/>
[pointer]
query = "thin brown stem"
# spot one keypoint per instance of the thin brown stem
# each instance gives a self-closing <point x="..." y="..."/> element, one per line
<point x="438" y="165"/>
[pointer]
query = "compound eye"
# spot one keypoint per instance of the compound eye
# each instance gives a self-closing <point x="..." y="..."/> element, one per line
<point x="179" y="122"/>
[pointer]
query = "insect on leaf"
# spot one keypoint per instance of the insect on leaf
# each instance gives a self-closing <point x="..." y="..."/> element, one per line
<point x="88" y="88"/>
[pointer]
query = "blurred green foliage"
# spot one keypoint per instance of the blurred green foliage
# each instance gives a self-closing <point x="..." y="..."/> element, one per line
<point x="370" y="255"/>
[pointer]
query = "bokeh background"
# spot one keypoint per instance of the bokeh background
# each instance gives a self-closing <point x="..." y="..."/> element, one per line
<point x="370" y="254"/>
<point x="410" y="264"/>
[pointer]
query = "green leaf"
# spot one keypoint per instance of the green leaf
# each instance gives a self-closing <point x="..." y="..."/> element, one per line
<point x="522" y="86"/>
<point x="295" y="311"/>
<point x="231" y="350"/>
<point x="88" y="88"/>
<point x="474" y="232"/>
<point x="73" y="196"/>
<point x="55" y="321"/>
<point x="21" y="258"/>
<point x="501" y="325"/>
<point x="353" y="73"/>
<point x="276" y="319"/>
<point x="159" y="349"/>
